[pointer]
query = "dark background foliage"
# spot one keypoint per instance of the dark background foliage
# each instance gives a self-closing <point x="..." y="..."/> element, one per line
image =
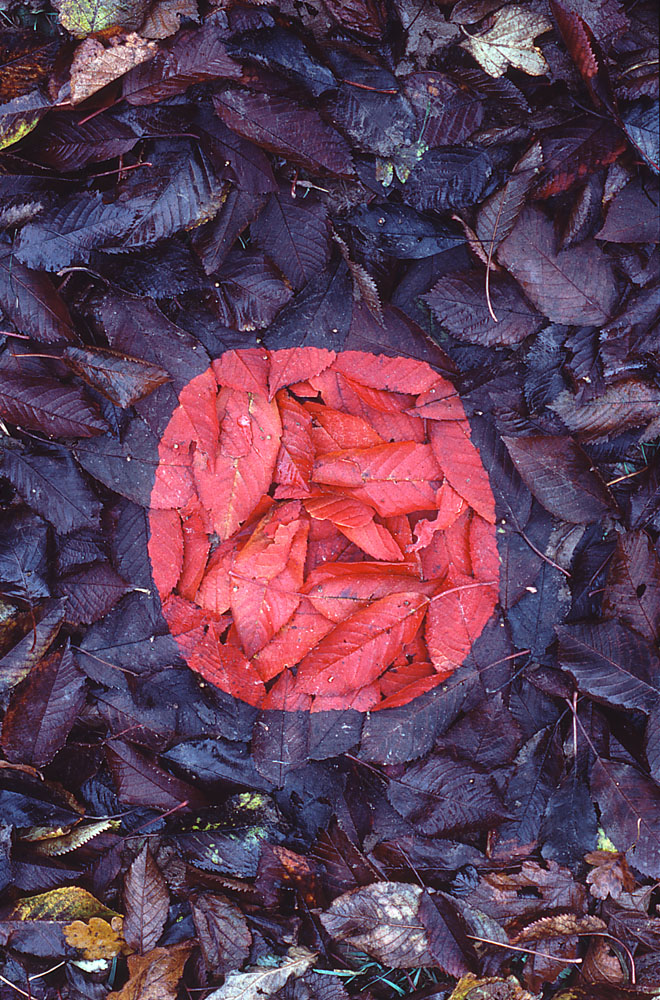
<point x="467" y="183"/>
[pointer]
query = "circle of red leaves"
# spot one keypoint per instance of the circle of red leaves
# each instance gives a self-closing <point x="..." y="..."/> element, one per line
<point x="322" y="529"/>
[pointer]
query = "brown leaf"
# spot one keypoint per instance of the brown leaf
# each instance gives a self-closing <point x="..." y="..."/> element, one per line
<point x="156" y="975"/>
<point x="165" y="17"/>
<point x="94" y="65"/>
<point x="147" y="902"/>
<point x="121" y="379"/>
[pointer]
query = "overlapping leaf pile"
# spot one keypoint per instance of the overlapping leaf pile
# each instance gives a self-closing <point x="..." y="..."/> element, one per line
<point x="324" y="520"/>
<point x="470" y="185"/>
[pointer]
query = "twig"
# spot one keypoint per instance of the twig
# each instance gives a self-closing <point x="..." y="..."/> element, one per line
<point x="527" y="951"/>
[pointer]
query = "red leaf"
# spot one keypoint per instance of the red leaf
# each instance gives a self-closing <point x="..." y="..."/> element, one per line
<point x="456" y="618"/>
<point x="382" y="372"/>
<point x="266" y="577"/>
<point x="165" y="549"/>
<point x="333" y="430"/>
<point x="384" y="411"/>
<point x="359" y="649"/>
<point x="301" y="633"/>
<point x="272" y="594"/>
<point x="294" y="364"/>
<point x="394" y="478"/>
<point x="460" y="462"/>
<point x="226" y="667"/>
<point x="296" y="454"/>
<point x="337" y="589"/>
<point x="230" y="487"/>
<point x="243" y="369"/>
<point x="450" y="505"/>
<point x="196" y="546"/>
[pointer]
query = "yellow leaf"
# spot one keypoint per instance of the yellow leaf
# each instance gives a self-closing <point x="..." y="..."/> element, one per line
<point x="96" y="940"/>
<point x="66" y="903"/>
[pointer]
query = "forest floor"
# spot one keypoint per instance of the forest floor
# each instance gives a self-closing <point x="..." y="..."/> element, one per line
<point x="330" y="486"/>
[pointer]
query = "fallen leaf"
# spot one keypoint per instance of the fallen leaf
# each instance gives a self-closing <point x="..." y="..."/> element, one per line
<point x="94" y="65"/>
<point x="509" y="41"/>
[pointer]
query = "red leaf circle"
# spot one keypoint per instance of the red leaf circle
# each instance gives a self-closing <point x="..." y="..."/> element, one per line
<point x="322" y="529"/>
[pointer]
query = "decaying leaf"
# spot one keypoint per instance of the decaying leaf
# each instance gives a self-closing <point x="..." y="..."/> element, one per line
<point x="383" y="920"/>
<point x="96" y="940"/>
<point x="509" y="41"/>
<point x="94" y="65"/>
<point x="265" y="982"/>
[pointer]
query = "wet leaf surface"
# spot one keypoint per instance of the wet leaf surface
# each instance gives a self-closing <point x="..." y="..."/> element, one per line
<point x="329" y="500"/>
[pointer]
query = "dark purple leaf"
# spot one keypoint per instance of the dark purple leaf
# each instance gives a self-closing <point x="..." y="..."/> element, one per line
<point x="441" y="794"/>
<point x="193" y="56"/>
<point x="631" y="216"/>
<point x="576" y="286"/>
<point x="222" y="932"/>
<point x="141" y="782"/>
<point x="630" y="813"/>
<point x="571" y="152"/>
<point x="23" y="562"/>
<point x="294" y="234"/>
<point x="216" y="760"/>
<point x="534" y="776"/>
<point x="249" y="291"/>
<point x="147" y="901"/>
<point x="375" y="121"/>
<point x="91" y="592"/>
<point x="40" y="627"/>
<point x="215" y="239"/>
<point x="51" y="484"/>
<point x="280" y="743"/>
<point x="42" y="710"/>
<point x="399" y="231"/>
<point x="570" y="827"/>
<point x="632" y="594"/>
<point x="31" y="302"/>
<point x="69" y="145"/>
<point x="283" y="52"/>
<point x="561" y="477"/>
<point x="459" y="302"/>
<point x="69" y="233"/>
<point x="449" y="177"/>
<point x="122" y="379"/>
<point x="44" y="404"/>
<point x="447" y="114"/>
<point x="180" y="191"/>
<point x="320" y="314"/>
<point x="611" y="664"/>
<point x="448" y="944"/>
<point x="246" y="164"/>
<point x="652" y="743"/>
<point x="284" y="127"/>
<point x="641" y="125"/>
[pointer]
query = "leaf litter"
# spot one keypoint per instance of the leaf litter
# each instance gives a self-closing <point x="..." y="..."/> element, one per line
<point x="329" y="367"/>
